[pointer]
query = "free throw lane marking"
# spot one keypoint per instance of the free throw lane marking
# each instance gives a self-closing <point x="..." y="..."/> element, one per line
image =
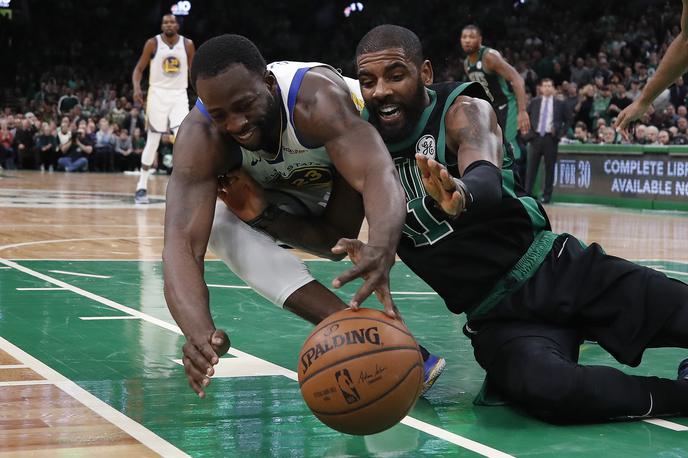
<point x="103" y="318"/>
<point x="409" y="421"/>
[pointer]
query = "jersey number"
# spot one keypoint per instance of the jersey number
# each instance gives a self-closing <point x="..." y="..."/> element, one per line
<point x="417" y="214"/>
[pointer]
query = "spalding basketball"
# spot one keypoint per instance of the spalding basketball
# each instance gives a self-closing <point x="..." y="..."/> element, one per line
<point x="360" y="372"/>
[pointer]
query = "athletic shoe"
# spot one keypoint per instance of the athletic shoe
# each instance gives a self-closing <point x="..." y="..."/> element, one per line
<point x="433" y="366"/>
<point x="683" y="370"/>
<point x="141" y="196"/>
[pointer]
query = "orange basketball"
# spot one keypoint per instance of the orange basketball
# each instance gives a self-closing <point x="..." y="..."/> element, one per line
<point x="360" y="372"/>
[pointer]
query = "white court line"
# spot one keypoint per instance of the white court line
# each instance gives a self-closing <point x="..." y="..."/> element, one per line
<point x="94" y="318"/>
<point x="409" y="421"/>
<point x="27" y="382"/>
<point x="416" y="293"/>
<point x="88" y="239"/>
<point x="100" y="408"/>
<point x="4" y="267"/>
<point x="667" y="271"/>
<point x="667" y="424"/>
<point x="13" y="366"/>
<point x="41" y="289"/>
<point x="229" y="286"/>
<point x="78" y="274"/>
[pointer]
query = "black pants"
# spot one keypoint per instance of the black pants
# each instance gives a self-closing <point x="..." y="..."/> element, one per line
<point x="529" y="343"/>
<point x="541" y="146"/>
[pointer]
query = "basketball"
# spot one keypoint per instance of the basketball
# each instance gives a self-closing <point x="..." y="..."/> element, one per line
<point x="360" y="372"/>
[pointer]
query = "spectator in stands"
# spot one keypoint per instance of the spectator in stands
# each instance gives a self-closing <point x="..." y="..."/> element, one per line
<point x="104" y="148"/>
<point x="23" y="144"/>
<point x="583" y="110"/>
<point x="678" y="93"/>
<point x="75" y="152"/>
<point x="639" y="134"/>
<point x="619" y="101"/>
<point x="580" y="74"/>
<point x="7" y="152"/>
<point x="663" y="137"/>
<point x="87" y="108"/>
<point x="133" y="120"/>
<point x="601" y="104"/>
<point x="634" y="92"/>
<point x="580" y="133"/>
<point x="570" y="103"/>
<point x="67" y="101"/>
<point x="123" y="150"/>
<point x="138" y="142"/>
<point x="651" y="135"/>
<point x="46" y="146"/>
<point x="117" y="114"/>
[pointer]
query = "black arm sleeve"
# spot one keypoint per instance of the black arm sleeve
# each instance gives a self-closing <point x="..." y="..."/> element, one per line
<point x="482" y="181"/>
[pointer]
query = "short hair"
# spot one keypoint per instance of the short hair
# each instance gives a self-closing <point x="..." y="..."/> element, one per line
<point x="547" y="80"/>
<point x="473" y="27"/>
<point x="219" y="53"/>
<point x="582" y="125"/>
<point x="388" y="36"/>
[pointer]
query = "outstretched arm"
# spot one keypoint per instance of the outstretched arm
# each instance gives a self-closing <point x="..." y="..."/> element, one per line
<point x="326" y="115"/>
<point x="494" y="62"/>
<point x="316" y="234"/>
<point x="144" y="60"/>
<point x="673" y="64"/>
<point x="473" y="132"/>
<point x="190" y="205"/>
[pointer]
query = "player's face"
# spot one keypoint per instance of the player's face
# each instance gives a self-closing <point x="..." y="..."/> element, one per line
<point x="242" y="103"/>
<point x="170" y="26"/>
<point x="470" y="41"/>
<point x="393" y="88"/>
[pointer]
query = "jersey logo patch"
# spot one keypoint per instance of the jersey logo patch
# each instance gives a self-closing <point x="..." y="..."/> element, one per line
<point x="426" y="146"/>
<point x="171" y="66"/>
<point x="479" y="65"/>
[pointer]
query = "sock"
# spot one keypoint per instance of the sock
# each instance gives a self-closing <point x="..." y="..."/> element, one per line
<point x="143" y="179"/>
<point x="424" y="353"/>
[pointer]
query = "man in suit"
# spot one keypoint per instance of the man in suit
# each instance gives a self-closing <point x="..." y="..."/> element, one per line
<point x="548" y="118"/>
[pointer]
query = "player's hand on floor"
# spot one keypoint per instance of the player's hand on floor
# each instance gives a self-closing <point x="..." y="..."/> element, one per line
<point x="242" y="194"/>
<point x="201" y="353"/>
<point x="629" y="114"/>
<point x="440" y="185"/>
<point x="373" y="265"/>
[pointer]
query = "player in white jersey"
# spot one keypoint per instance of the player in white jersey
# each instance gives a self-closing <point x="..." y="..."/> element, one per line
<point x="169" y="55"/>
<point x="295" y="128"/>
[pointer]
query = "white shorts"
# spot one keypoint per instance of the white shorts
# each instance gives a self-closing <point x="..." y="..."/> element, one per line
<point x="256" y="258"/>
<point x="165" y="105"/>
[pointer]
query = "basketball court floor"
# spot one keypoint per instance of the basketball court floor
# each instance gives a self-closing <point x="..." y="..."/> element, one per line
<point x="89" y="355"/>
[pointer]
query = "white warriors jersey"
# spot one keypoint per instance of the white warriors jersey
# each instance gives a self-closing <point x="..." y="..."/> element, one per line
<point x="298" y="170"/>
<point x="169" y="67"/>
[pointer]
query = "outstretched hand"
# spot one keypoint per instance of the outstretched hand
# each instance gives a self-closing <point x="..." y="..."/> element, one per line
<point x="373" y="265"/>
<point x="201" y="353"/>
<point x="629" y="114"/>
<point x="242" y="194"/>
<point x="440" y="185"/>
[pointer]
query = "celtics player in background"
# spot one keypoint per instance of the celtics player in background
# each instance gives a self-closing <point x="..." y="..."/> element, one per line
<point x="531" y="296"/>
<point x="503" y="84"/>
<point x="169" y="55"/>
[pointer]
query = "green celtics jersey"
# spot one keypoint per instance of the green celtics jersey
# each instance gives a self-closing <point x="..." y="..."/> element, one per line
<point x="461" y="259"/>
<point x="498" y="89"/>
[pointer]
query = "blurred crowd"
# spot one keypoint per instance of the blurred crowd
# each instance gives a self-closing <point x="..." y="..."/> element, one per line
<point x="61" y="113"/>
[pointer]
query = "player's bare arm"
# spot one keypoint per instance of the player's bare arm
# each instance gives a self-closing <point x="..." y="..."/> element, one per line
<point x="495" y="63"/>
<point x="148" y="50"/>
<point x="473" y="132"/>
<point x="315" y="234"/>
<point x="673" y="64"/>
<point x="190" y="51"/>
<point x="190" y="206"/>
<point x="325" y="114"/>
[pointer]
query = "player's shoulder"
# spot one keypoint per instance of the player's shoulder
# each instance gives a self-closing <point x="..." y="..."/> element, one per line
<point x="321" y="84"/>
<point x="465" y="110"/>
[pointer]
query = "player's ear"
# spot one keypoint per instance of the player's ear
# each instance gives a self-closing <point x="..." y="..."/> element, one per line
<point x="270" y="80"/>
<point x="426" y="73"/>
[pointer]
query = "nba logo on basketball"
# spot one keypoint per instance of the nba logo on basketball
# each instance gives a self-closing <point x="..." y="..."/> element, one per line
<point x="346" y="386"/>
<point x="426" y="146"/>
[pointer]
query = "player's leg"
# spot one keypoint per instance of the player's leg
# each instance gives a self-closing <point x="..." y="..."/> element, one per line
<point x="535" y="151"/>
<point x="157" y="110"/>
<point x="535" y="367"/>
<point x="282" y="278"/>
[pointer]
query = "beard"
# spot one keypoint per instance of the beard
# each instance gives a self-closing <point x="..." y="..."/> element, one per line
<point x="267" y="126"/>
<point x="411" y="110"/>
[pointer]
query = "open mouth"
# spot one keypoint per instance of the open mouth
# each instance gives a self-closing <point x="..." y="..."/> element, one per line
<point x="389" y="113"/>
